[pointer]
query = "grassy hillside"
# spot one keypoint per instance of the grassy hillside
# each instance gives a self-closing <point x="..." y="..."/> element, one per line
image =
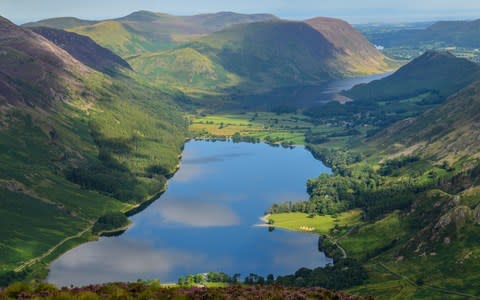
<point x="184" y="67"/>
<point x="355" y="54"/>
<point x="439" y="73"/>
<point x="120" y="38"/>
<point x="72" y="148"/>
<point x="445" y="133"/>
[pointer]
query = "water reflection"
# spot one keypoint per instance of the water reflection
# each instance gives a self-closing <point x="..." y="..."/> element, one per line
<point x="197" y="213"/>
<point x="119" y="260"/>
<point x="204" y="222"/>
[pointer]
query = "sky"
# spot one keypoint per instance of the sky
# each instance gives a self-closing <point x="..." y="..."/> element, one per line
<point x="354" y="11"/>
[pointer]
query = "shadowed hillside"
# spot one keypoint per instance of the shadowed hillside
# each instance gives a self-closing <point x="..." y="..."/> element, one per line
<point x="355" y="54"/>
<point x="83" y="49"/>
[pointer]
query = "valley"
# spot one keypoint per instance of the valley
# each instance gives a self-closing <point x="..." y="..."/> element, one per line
<point x="262" y="150"/>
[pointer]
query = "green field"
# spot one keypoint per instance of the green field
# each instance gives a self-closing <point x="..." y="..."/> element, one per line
<point x="279" y="128"/>
<point x="319" y="224"/>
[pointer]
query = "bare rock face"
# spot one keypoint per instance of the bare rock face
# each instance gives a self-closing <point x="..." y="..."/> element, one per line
<point x="476" y="215"/>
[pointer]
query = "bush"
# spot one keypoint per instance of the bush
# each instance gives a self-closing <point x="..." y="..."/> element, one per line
<point x="110" y="221"/>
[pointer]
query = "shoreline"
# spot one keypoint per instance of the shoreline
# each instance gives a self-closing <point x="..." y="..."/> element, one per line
<point x="41" y="264"/>
<point x="138" y="208"/>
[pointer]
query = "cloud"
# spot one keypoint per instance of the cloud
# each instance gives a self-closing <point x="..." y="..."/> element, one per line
<point x="197" y="213"/>
<point x="113" y="259"/>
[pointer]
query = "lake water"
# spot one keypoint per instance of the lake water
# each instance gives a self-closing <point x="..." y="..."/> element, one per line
<point x="304" y="96"/>
<point x="205" y="221"/>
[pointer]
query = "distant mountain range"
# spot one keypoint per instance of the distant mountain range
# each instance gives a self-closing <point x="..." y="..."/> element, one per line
<point x="438" y="72"/>
<point x="232" y="51"/>
<point x="145" y="31"/>
<point x="444" y="33"/>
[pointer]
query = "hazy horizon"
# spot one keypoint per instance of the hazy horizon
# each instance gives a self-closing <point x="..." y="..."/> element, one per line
<point x="368" y="11"/>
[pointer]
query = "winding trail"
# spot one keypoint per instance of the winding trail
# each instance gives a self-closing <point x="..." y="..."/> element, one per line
<point x="51" y="250"/>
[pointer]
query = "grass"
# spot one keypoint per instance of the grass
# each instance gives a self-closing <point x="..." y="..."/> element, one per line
<point x="39" y="207"/>
<point x="185" y="68"/>
<point x="320" y="224"/>
<point x="289" y="128"/>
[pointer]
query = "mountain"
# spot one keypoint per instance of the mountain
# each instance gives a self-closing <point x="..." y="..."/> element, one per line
<point x="34" y="71"/>
<point x="60" y="23"/>
<point x="440" y="73"/>
<point x="71" y="147"/>
<point x="145" y="31"/>
<point x="263" y="55"/>
<point x="83" y="49"/>
<point x="354" y="51"/>
<point x="444" y="33"/>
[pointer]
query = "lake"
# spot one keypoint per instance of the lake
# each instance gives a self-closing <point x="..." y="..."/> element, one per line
<point x="206" y="221"/>
<point x="303" y="97"/>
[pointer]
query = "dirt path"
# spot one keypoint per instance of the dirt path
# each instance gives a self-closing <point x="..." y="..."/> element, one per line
<point x="51" y="250"/>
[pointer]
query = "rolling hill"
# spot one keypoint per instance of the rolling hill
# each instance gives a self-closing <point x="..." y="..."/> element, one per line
<point x="444" y="34"/>
<point x="145" y="31"/>
<point x="71" y="147"/>
<point x="440" y="73"/>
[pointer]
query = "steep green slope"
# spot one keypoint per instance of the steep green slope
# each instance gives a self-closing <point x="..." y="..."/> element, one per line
<point x="72" y="148"/>
<point x="443" y="34"/>
<point x="355" y="54"/>
<point x="445" y="133"/>
<point x="440" y="73"/>
<point x="120" y="38"/>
